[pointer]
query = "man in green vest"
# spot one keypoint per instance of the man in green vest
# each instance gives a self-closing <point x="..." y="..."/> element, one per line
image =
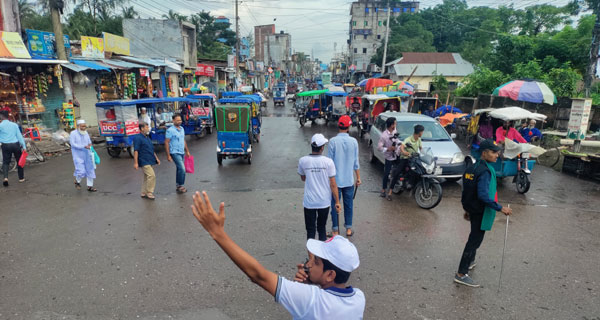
<point x="479" y="199"/>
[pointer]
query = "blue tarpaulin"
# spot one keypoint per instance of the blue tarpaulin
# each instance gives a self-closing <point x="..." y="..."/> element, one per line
<point x="90" y="64"/>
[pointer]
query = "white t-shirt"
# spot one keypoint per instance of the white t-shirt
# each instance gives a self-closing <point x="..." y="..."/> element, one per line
<point x="305" y="301"/>
<point x="317" y="189"/>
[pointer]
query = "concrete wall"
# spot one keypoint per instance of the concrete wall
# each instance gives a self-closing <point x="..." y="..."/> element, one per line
<point x="423" y="83"/>
<point x="86" y="95"/>
<point x="9" y="16"/>
<point x="154" y="38"/>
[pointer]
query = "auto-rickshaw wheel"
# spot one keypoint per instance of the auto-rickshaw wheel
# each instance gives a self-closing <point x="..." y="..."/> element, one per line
<point x="302" y="121"/>
<point x="130" y="151"/>
<point x="113" y="151"/>
<point x="209" y="130"/>
<point x="219" y="159"/>
<point x="201" y="134"/>
<point x="250" y="158"/>
<point x="523" y="183"/>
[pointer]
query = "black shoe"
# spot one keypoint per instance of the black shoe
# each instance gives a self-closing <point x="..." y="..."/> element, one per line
<point x="466" y="280"/>
<point x="5" y="183"/>
<point x="472" y="265"/>
<point x="382" y="194"/>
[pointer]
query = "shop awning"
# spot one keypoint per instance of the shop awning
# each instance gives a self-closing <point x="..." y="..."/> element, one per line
<point x="37" y="61"/>
<point x="170" y="66"/>
<point x="74" y="67"/>
<point x="91" y="64"/>
<point x="124" y="64"/>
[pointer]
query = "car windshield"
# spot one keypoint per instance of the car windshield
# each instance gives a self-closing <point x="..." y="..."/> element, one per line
<point x="433" y="130"/>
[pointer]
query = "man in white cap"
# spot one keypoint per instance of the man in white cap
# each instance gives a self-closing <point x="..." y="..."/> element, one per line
<point x="318" y="173"/>
<point x="144" y="117"/>
<point x="320" y="292"/>
<point x="81" y="145"/>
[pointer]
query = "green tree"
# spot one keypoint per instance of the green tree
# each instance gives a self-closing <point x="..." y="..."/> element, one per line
<point x="405" y="36"/>
<point x="483" y="80"/>
<point x="544" y="18"/>
<point x="563" y="81"/>
<point x="172" y="15"/>
<point x="529" y="70"/>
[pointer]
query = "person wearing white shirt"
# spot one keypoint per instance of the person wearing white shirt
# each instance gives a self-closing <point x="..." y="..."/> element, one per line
<point x="144" y="117"/>
<point x="318" y="173"/>
<point x="319" y="289"/>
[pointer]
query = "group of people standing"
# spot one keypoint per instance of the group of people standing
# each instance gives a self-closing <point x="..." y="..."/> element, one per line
<point x="144" y="156"/>
<point x="329" y="180"/>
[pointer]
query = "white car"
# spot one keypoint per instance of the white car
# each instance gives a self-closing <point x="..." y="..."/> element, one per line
<point x="449" y="156"/>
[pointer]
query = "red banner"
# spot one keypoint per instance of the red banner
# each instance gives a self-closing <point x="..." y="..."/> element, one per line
<point x="205" y="70"/>
<point x="111" y="127"/>
<point x="132" y="127"/>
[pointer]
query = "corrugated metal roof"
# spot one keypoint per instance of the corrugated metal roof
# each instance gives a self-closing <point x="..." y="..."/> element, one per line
<point x="427" y="57"/>
<point x="74" y="67"/>
<point x="150" y="62"/>
<point x="95" y="65"/>
<point x="459" y="68"/>
<point x="124" y="64"/>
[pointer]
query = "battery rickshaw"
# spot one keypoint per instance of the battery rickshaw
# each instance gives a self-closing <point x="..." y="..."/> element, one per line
<point x="204" y="110"/>
<point x="336" y="105"/>
<point x="234" y="129"/>
<point x="312" y="107"/>
<point x="516" y="160"/>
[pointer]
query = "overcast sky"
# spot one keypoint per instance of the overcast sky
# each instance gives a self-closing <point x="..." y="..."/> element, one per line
<point x="316" y="26"/>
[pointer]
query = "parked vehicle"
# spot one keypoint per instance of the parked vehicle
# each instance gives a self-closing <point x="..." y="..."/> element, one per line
<point x="279" y="95"/>
<point x="450" y="159"/>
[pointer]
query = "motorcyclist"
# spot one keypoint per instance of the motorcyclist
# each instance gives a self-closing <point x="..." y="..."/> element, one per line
<point x="412" y="144"/>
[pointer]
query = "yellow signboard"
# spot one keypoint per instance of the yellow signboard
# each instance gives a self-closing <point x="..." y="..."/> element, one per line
<point x="115" y="44"/>
<point x="92" y="47"/>
<point x="12" y="46"/>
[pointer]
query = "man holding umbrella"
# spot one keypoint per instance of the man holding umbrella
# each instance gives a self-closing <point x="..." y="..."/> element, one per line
<point x="479" y="199"/>
<point x="343" y="150"/>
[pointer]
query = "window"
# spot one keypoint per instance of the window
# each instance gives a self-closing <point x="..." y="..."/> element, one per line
<point x="396" y="10"/>
<point x="378" y="37"/>
<point x="366" y="23"/>
<point x="379" y="23"/>
<point x="364" y="50"/>
<point x="384" y="9"/>
<point x="404" y="9"/>
<point x="354" y="23"/>
<point x="366" y="35"/>
<point x="367" y="10"/>
<point x="412" y="9"/>
<point x="355" y="50"/>
<point x="376" y="9"/>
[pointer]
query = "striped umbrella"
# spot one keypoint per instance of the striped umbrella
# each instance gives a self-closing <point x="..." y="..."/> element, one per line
<point x="526" y="90"/>
<point x="403" y="85"/>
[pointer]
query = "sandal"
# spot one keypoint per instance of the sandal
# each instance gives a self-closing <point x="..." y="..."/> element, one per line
<point x="389" y="197"/>
<point x="150" y="196"/>
<point x="332" y="234"/>
<point x="181" y="190"/>
<point x="77" y="185"/>
<point x="349" y="234"/>
<point x="92" y="189"/>
<point x="143" y="195"/>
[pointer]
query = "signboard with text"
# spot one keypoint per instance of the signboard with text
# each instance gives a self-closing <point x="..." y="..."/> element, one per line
<point x="12" y="46"/>
<point x="116" y="44"/>
<point x="579" y="118"/>
<point x="42" y="44"/>
<point x="92" y="47"/>
<point x="205" y="70"/>
<point x="111" y="127"/>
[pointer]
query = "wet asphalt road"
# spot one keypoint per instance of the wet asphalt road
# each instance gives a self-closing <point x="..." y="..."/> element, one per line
<point x="68" y="254"/>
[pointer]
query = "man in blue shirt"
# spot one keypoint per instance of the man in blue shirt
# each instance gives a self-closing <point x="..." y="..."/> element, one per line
<point x="12" y="144"/>
<point x="343" y="150"/>
<point x="145" y="157"/>
<point x="176" y="147"/>
<point x="531" y="133"/>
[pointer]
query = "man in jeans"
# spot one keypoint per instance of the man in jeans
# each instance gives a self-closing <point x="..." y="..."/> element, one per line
<point x="145" y="157"/>
<point x="12" y="144"/>
<point x="318" y="173"/>
<point x="343" y="150"/>
<point x="176" y="148"/>
<point x="390" y="146"/>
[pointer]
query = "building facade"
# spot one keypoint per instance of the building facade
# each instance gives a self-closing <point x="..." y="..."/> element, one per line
<point x="278" y="50"/>
<point x="367" y="27"/>
<point x="9" y="16"/>
<point x="260" y="38"/>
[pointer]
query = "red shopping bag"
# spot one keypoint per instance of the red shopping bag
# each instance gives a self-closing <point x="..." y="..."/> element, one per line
<point x="189" y="164"/>
<point x="23" y="159"/>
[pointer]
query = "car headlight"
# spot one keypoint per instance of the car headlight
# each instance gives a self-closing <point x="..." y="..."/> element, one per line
<point x="458" y="157"/>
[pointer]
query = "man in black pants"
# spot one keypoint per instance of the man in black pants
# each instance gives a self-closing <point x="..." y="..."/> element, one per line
<point x="12" y="144"/>
<point x="318" y="173"/>
<point x="479" y="201"/>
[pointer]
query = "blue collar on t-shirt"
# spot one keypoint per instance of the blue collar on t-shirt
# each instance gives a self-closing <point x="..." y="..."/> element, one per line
<point x="341" y="292"/>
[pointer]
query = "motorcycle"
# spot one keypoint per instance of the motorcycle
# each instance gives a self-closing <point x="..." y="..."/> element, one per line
<point x="419" y="177"/>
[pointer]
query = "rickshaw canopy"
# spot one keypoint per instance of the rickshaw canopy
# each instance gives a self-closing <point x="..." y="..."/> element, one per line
<point x="336" y="93"/>
<point x="110" y="104"/>
<point x="312" y="93"/>
<point x="231" y="94"/>
<point x="515" y="113"/>
<point x="240" y="100"/>
<point x="374" y="97"/>
<point x="395" y="94"/>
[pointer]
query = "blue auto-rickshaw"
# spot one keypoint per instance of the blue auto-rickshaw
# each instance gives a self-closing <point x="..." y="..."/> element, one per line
<point x="279" y="95"/>
<point x="234" y="131"/>
<point x="256" y="116"/>
<point x="205" y="110"/>
<point x="313" y="105"/>
<point x="231" y="94"/>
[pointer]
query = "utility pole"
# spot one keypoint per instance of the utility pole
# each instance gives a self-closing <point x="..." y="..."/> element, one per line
<point x="387" y="33"/>
<point x="591" y="69"/>
<point x="55" y="6"/>
<point x="237" y="42"/>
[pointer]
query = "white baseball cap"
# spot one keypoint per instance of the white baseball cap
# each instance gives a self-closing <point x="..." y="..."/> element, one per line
<point x="318" y="140"/>
<point x="337" y="250"/>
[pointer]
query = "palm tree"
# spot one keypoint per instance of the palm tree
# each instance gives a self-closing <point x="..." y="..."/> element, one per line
<point x="25" y="9"/>
<point x="175" y="16"/>
<point x="129" y="13"/>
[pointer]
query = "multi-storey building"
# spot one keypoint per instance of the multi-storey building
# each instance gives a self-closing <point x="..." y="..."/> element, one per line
<point x="278" y="50"/>
<point x="368" y="26"/>
<point x="260" y="38"/>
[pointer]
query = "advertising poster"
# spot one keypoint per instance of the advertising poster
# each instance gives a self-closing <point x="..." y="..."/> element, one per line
<point x="12" y="46"/>
<point x="42" y="44"/>
<point x="111" y="127"/>
<point x="92" y="47"/>
<point x="116" y="44"/>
